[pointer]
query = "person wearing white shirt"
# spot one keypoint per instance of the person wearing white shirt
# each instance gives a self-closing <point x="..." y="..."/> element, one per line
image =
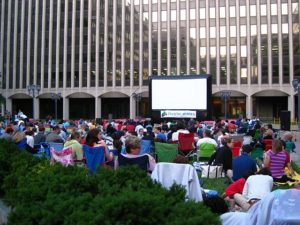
<point x="256" y="187"/>
<point x="207" y="139"/>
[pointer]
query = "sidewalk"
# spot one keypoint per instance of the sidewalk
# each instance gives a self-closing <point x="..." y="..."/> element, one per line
<point x="296" y="156"/>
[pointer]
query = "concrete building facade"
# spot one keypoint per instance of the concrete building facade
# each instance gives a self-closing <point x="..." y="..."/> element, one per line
<point x="99" y="54"/>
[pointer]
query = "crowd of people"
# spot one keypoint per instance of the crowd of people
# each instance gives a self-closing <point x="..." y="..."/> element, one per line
<point x="248" y="181"/>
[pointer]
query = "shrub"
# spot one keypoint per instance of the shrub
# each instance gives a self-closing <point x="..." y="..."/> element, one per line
<point x="44" y="194"/>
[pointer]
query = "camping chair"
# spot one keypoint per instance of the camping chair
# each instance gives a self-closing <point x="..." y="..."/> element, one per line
<point x="165" y="152"/>
<point x="94" y="156"/>
<point x="205" y="150"/>
<point x="235" y="151"/>
<point x="64" y="156"/>
<point x="267" y="144"/>
<point x="56" y="146"/>
<point x="147" y="147"/>
<point x="257" y="153"/>
<point x="181" y="174"/>
<point x="43" y="149"/>
<point x="237" y="143"/>
<point x="186" y="144"/>
<point x="142" y="161"/>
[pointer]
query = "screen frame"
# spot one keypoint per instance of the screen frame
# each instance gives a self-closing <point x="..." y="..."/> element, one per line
<point x="202" y="114"/>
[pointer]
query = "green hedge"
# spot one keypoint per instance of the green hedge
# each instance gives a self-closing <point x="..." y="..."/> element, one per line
<point x="41" y="193"/>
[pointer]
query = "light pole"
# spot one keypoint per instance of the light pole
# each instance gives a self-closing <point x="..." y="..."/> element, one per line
<point x="225" y="95"/>
<point x="137" y="97"/>
<point x="296" y="86"/>
<point x="56" y="97"/>
<point x="32" y="89"/>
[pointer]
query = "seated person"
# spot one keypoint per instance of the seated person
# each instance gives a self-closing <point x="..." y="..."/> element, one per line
<point x="74" y="142"/>
<point x="223" y="156"/>
<point x="256" y="187"/>
<point x="243" y="163"/>
<point x="276" y="160"/>
<point x="132" y="145"/>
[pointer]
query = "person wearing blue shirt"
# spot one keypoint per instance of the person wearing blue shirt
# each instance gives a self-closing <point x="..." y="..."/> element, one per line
<point x="243" y="163"/>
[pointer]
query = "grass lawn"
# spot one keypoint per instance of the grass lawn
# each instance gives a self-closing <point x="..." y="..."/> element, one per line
<point x="220" y="185"/>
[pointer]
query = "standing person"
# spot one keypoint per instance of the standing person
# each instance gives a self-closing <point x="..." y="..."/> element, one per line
<point x="276" y="159"/>
<point x="243" y="163"/>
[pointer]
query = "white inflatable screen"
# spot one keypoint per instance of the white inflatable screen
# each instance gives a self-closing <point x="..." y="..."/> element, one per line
<point x="179" y="94"/>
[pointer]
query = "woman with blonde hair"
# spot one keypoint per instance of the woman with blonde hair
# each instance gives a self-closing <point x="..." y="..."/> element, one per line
<point x="276" y="160"/>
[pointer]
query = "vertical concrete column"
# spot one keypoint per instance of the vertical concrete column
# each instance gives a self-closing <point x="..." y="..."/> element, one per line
<point x="132" y="107"/>
<point x="36" y="105"/>
<point x="291" y="106"/>
<point x="249" y="107"/>
<point x="9" y="105"/>
<point x="98" y="107"/>
<point x="66" y="109"/>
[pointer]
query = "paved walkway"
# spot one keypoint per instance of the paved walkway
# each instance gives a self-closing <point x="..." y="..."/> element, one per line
<point x="4" y="210"/>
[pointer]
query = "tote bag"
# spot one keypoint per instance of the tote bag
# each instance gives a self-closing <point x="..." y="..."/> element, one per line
<point x="209" y="171"/>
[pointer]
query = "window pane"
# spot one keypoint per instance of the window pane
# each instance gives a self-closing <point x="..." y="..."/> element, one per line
<point x="154" y="16"/>
<point x="182" y="14"/>
<point x="163" y="16"/>
<point x="223" y="51"/>
<point x="243" y="30"/>
<point x="222" y="12"/>
<point x="212" y="32"/>
<point x="202" y="32"/>
<point x="192" y="14"/>
<point x="284" y="9"/>
<point x="202" y="52"/>
<point x="202" y="13"/>
<point x="173" y="15"/>
<point x="213" y="51"/>
<point x="273" y="9"/>
<point x="252" y="10"/>
<point x="232" y="31"/>
<point x="274" y="28"/>
<point x="264" y="29"/>
<point x="232" y="11"/>
<point x="223" y="31"/>
<point x="212" y="12"/>
<point x="253" y="30"/>
<point x="243" y="51"/>
<point x="263" y="10"/>
<point x="295" y="9"/>
<point x="285" y="28"/>
<point x="242" y="11"/>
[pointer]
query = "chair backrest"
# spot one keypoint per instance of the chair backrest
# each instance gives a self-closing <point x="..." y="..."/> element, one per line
<point x="142" y="162"/>
<point x="206" y="150"/>
<point x="235" y="151"/>
<point x="182" y="174"/>
<point x="257" y="153"/>
<point x="95" y="156"/>
<point x="56" y="146"/>
<point x="165" y="152"/>
<point x="267" y="144"/>
<point x="64" y="156"/>
<point x="43" y="149"/>
<point x="146" y="147"/>
<point x="185" y="142"/>
<point x="289" y="146"/>
<point x="237" y="143"/>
